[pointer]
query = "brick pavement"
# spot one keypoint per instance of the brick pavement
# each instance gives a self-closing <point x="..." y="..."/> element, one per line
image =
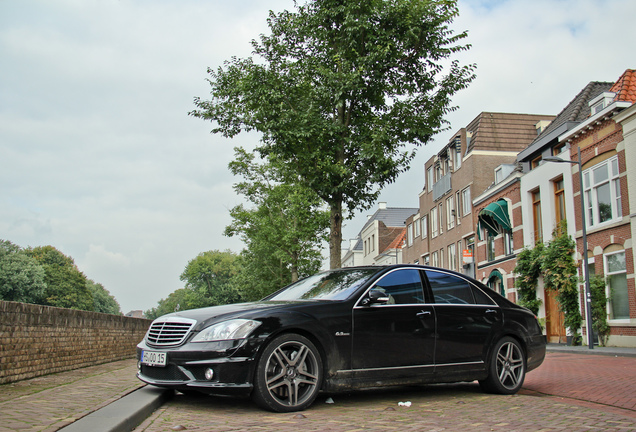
<point x="567" y="382"/>
<point x="51" y="402"/>
<point x="554" y="398"/>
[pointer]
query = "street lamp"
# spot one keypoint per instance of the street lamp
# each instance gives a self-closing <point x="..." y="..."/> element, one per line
<point x="588" y="292"/>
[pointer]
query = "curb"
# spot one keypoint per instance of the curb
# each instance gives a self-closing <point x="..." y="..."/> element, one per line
<point x="124" y="414"/>
<point x="603" y="351"/>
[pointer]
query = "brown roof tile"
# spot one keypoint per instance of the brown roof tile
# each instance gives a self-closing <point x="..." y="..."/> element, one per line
<point x="625" y="87"/>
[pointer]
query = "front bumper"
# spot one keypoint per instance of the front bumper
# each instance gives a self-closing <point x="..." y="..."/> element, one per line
<point x="185" y="370"/>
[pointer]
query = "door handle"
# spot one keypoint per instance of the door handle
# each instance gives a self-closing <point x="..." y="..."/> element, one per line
<point x="489" y="311"/>
<point x="423" y="313"/>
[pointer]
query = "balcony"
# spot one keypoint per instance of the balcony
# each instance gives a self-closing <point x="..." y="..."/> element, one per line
<point x="442" y="186"/>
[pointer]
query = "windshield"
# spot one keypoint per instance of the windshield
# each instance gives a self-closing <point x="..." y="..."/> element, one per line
<point x="330" y="285"/>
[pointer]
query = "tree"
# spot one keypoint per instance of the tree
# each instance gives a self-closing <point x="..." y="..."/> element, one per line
<point x="102" y="300"/>
<point x="284" y="231"/>
<point x="339" y="91"/>
<point x="210" y="275"/>
<point x="560" y="275"/>
<point x="21" y="277"/>
<point x="66" y="286"/>
<point x="181" y="299"/>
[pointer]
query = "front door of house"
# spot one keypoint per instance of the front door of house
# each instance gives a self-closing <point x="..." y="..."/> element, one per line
<point x="554" y="319"/>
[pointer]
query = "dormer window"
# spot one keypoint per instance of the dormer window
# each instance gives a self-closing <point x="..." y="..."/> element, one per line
<point x="600" y="102"/>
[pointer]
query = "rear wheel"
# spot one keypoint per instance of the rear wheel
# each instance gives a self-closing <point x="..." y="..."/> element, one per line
<point x="288" y="374"/>
<point x="506" y="368"/>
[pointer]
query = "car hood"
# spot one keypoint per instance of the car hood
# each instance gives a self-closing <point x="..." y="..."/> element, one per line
<point x="219" y="313"/>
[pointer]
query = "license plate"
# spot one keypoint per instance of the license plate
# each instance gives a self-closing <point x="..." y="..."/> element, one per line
<point x="153" y="358"/>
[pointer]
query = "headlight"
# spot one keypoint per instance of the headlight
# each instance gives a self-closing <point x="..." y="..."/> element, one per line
<point x="232" y="329"/>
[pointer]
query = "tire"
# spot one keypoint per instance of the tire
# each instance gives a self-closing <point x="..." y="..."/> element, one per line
<point x="506" y="368"/>
<point x="288" y="374"/>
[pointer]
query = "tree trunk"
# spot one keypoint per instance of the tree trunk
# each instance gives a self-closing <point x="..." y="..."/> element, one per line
<point x="335" y="235"/>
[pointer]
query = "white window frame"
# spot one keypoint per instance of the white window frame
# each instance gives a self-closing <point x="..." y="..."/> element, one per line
<point x="591" y="189"/>
<point x="608" y="274"/>
<point x="467" y="204"/>
<point x="409" y="234"/>
<point x="424" y="223"/>
<point x="450" y="218"/>
<point x="434" y="222"/>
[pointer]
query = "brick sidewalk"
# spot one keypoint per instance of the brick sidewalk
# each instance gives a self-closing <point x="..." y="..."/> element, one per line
<point x="51" y="402"/>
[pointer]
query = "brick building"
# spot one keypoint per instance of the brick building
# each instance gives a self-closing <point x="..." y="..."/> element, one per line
<point x="442" y="232"/>
<point x="381" y="238"/>
<point x="605" y="188"/>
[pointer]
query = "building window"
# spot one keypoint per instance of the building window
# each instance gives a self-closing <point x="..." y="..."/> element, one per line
<point x="409" y="234"/>
<point x="458" y="156"/>
<point x="424" y="222"/>
<point x="616" y="271"/>
<point x="508" y="243"/>
<point x="498" y="175"/>
<point x="536" y="217"/>
<point x="416" y="228"/>
<point x="457" y="215"/>
<point x="535" y="162"/>
<point x="434" y="223"/>
<point x="559" y="201"/>
<point x="366" y="248"/>
<point x="434" y="260"/>
<point x="490" y="246"/>
<point x="467" y="204"/>
<point x="373" y="242"/>
<point x="440" y="213"/>
<point x="429" y="178"/>
<point x="450" y="212"/>
<point x="558" y="149"/>
<point x="441" y="257"/>
<point x="603" y="192"/>
<point x="452" y="257"/>
<point x="426" y="259"/>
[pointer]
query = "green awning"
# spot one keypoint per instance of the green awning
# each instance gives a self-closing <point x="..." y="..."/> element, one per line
<point x="495" y="218"/>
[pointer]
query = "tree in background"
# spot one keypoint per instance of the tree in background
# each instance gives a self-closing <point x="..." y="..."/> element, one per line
<point x="181" y="299"/>
<point x="210" y="275"/>
<point x="66" y="286"/>
<point x="21" y="276"/>
<point x="102" y="300"/>
<point x="338" y="91"/>
<point x="283" y="232"/>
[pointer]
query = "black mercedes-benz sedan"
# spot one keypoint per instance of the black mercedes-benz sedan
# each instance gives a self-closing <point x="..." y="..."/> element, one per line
<point x="343" y="330"/>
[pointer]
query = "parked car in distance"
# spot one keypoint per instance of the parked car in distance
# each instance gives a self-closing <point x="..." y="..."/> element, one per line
<point x="343" y="330"/>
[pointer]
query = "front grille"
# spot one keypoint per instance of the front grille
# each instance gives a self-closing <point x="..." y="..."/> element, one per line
<point x="169" y="331"/>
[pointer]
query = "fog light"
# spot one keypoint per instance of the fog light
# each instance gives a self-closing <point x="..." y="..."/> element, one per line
<point x="209" y="374"/>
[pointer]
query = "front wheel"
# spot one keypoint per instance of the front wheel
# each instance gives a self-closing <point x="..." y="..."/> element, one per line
<point x="506" y="368"/>
<point x="288" y="374"/>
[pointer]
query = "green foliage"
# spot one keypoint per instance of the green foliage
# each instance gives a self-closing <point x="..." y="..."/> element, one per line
<point x="283" y="232"/>
<point x="555" y="262"/>
<point x="66" y="286"/>
<point x="21" y="277"/>
<point x="339" y="89"/>
<point x="181" y="299"/>
<point x="102" y="300"/>
<point x="210" y="276"/>
<point x="529" y="270"/>
<point x="560" y="275"/>
<point x="599" y="308"/>
<point x="44" y="275"/>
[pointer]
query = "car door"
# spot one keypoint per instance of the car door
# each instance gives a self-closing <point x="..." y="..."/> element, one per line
<point x="467" y="319"/>
<point x="394" y="338"/>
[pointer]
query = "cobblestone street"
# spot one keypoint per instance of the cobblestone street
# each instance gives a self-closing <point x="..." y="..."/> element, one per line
<point x="568" y="392"/>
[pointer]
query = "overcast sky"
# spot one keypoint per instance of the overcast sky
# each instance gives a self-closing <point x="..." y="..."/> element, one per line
<point x="99" y="158"/>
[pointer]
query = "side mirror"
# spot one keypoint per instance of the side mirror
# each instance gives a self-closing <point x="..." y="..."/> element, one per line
<point x="376" y="295"/>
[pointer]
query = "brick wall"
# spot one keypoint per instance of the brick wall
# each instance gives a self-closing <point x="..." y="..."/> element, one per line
<point x="38" y="340"/>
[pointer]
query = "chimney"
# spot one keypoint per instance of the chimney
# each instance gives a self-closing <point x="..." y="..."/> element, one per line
<point x="382" y="206"/>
